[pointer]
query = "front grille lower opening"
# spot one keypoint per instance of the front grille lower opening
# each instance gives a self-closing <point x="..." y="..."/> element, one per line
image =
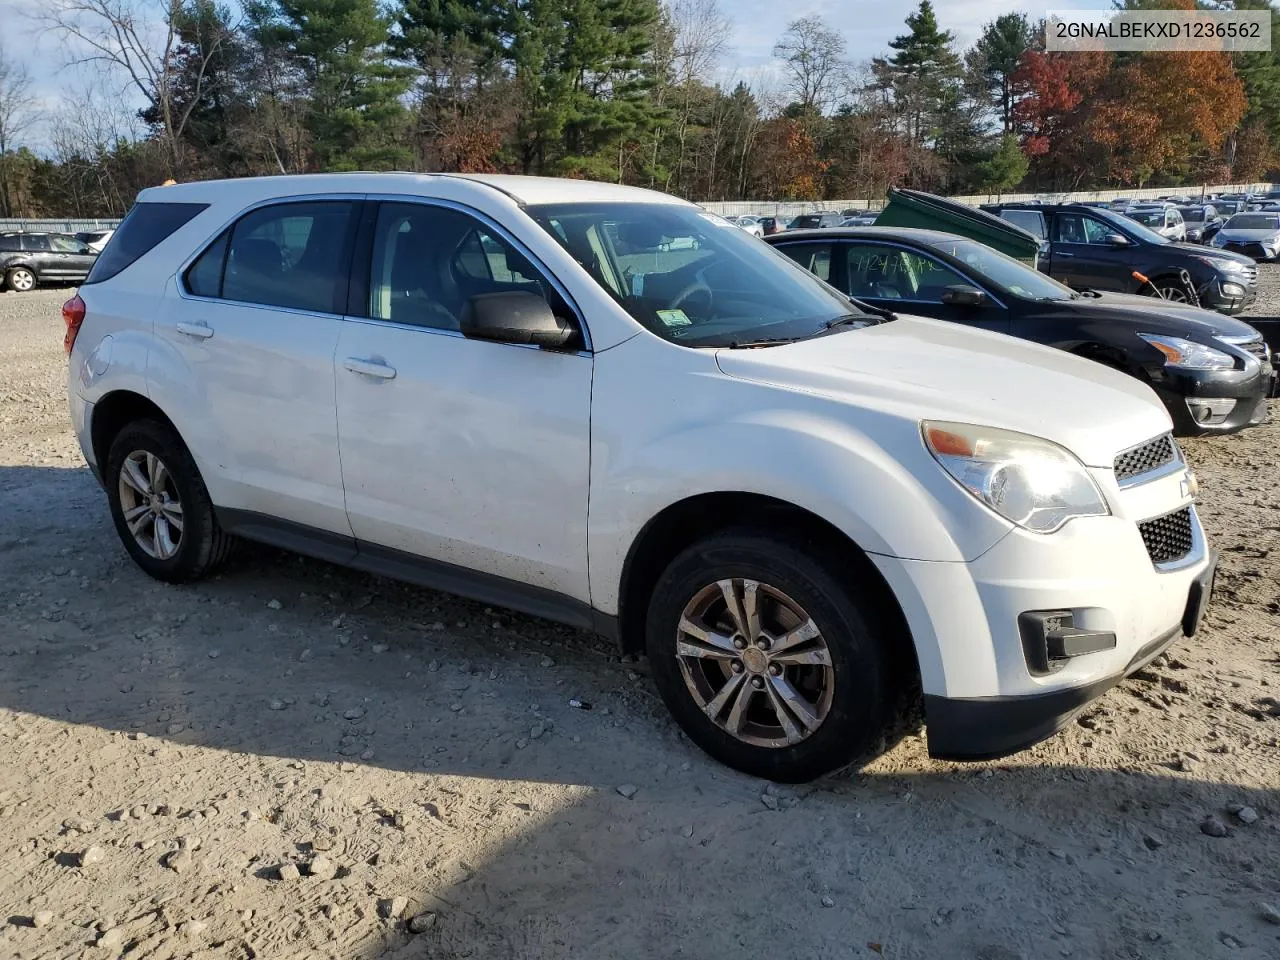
<point x="1168" y="538"/>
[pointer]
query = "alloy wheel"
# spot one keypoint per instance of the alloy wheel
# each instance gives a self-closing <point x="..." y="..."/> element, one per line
<point x="1174" y="294"/>
<point x="755" y="662"/>
<point x="150" y="504"/>
<point x="22" y="280"/>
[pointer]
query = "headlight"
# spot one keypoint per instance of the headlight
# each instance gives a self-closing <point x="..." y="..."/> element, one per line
<point x="1187" y="354"/>
<point x="1218" y="240"/>
<point x="1029" y="481"/>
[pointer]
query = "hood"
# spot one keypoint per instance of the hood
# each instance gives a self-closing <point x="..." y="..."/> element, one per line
<point x="1200" y="250"/>
<point x="918" y="369"/>
<point x="1249" y="236"/>
<point x="1163" y="316"/>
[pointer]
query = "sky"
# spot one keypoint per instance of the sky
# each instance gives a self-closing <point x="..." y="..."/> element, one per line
<point x="868" y="26"/>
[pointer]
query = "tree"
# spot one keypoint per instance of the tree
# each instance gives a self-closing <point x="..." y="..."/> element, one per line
<point x="16" y="115"/>
<point x="354" y="114"/>
<point x="814" y="58"/>
<point x="140" y="38"/>
<point x="1164" y="107"/>
<point x="920" y="72"/>
<point x="1006" y="168"/>
<point x="585" y="78"/>
<point x="996" y="56"/>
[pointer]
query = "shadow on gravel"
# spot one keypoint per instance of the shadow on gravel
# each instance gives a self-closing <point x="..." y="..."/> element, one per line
<point x="281" y="657"/>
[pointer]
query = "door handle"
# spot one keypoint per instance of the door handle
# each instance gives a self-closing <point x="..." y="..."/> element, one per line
<point x="198" y="330"/>
<point x="1064" y="256"/>
<point x="370" y="368"/>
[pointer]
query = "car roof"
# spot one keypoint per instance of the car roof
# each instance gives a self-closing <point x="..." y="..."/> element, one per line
<point x="908" y="234"/>
<point x="524" y="190"/>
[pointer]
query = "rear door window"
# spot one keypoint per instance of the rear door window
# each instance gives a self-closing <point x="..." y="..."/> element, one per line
<point x="292" y="255"/>
<point x="35" y="243"/>
<point x="145" y="226"/>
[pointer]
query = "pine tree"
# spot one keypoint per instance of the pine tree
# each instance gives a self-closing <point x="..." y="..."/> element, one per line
<point x="354" y="116"/>
<point x="996" y="56"/>
<point x="1006" y="167"/>
<point x="920" y="72"/>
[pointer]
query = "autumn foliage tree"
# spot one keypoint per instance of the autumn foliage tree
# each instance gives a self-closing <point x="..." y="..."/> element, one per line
<point x="1166" y="108"/>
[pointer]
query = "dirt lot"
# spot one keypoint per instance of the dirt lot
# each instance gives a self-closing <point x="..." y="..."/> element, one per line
<point x="165" y="751"/>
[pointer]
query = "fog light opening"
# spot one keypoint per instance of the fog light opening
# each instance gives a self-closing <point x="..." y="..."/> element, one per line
<point x="1210" y="412"/>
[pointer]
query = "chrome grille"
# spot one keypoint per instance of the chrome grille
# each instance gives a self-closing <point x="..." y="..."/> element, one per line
<point x="1144" y="458"/>
<point x="1251" y="274"/>
<point x="1256" y="347"/>
<point x="1168" y="538"/>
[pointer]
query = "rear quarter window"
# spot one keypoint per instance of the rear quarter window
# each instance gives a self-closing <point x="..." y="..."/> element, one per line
<point x="1031" y="221"/>
<point x="145" y="226"/>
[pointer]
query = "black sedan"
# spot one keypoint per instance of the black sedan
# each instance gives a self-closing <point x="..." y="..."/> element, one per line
<point x="27" y="259"/>
<point x="1211" y="371"/>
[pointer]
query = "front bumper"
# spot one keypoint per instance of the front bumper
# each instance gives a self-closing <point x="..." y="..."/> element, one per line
<point x="1248" y="388"/>
<point x="985" y="728"/>
<point x="984" y="694"/>
<point x="1214" y="295"/>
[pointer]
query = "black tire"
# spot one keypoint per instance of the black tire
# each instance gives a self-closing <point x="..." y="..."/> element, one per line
<point x="869" y="679"/>
<point x="201" y="544"/>
<point x="21" y="280"/>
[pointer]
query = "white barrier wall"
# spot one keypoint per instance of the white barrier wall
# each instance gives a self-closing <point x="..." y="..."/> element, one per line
<point x="733" y="208"/>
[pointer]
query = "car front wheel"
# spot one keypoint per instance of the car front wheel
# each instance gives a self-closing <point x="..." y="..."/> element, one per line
<point x="765" y="658"/>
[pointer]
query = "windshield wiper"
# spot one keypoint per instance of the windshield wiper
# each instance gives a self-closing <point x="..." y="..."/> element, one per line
<point x="875" y="311"/>
<point x="847" y="319"/>
<point x="763" y="342"/>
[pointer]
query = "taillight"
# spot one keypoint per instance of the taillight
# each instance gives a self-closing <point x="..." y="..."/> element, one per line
<point x="72" y="316"/>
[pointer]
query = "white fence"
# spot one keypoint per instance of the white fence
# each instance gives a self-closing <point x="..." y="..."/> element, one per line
<point x="734" y="208"/>
<point x="56" y="226"/>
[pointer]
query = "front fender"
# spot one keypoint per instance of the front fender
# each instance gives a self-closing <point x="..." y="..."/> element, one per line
<point x="866" y="473"/>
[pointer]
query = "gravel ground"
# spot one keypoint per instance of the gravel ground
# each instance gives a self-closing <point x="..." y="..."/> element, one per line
<point x="295" y="760"/>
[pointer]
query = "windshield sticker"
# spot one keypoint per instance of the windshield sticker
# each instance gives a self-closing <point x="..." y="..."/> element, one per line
<point x="674" y="318"/>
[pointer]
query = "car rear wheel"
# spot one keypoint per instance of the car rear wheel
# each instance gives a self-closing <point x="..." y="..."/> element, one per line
<point x="160" y="506"/>
<point x="20" y="280"/>
<point x="765" y="658"/>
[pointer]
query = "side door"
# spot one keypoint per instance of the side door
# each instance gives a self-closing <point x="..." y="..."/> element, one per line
<point x="1083" y="257"/>
<point x="252" y="327"/>
<point x="74" y="257"/>
<point x="465" y="462"/>
<point x="911" y="281"/>
<point x="39" y="256"/>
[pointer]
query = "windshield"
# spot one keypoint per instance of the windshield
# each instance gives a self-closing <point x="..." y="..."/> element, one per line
<point x="1150" y="218"/>
<point x="1130" y="227"/>
<point x="1192" y="214"/>
<point x="1252" y="221"/>
<point x="1005" y="272"/>
<point x="692" y="277"/>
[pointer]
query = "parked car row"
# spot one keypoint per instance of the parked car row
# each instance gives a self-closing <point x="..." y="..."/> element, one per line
<point x="1089" y="248"/>
<point x="806" y="498"/>
<point x="765" y="226"/>
<point x="30" y="259"/>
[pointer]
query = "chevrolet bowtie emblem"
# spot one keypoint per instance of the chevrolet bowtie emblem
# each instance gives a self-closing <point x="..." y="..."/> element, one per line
<point x="1190" y="486"/>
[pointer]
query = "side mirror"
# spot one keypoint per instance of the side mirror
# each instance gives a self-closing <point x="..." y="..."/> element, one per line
<point x="515" y="316"/>
<point x="1117" y="240"/>
<point x="962" y="295"/>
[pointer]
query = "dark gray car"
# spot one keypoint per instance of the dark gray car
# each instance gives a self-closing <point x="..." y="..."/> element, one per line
<point x="27" y="259"/>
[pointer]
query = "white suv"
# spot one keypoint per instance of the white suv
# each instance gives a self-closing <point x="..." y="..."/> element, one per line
<point x="608" y="407"/>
